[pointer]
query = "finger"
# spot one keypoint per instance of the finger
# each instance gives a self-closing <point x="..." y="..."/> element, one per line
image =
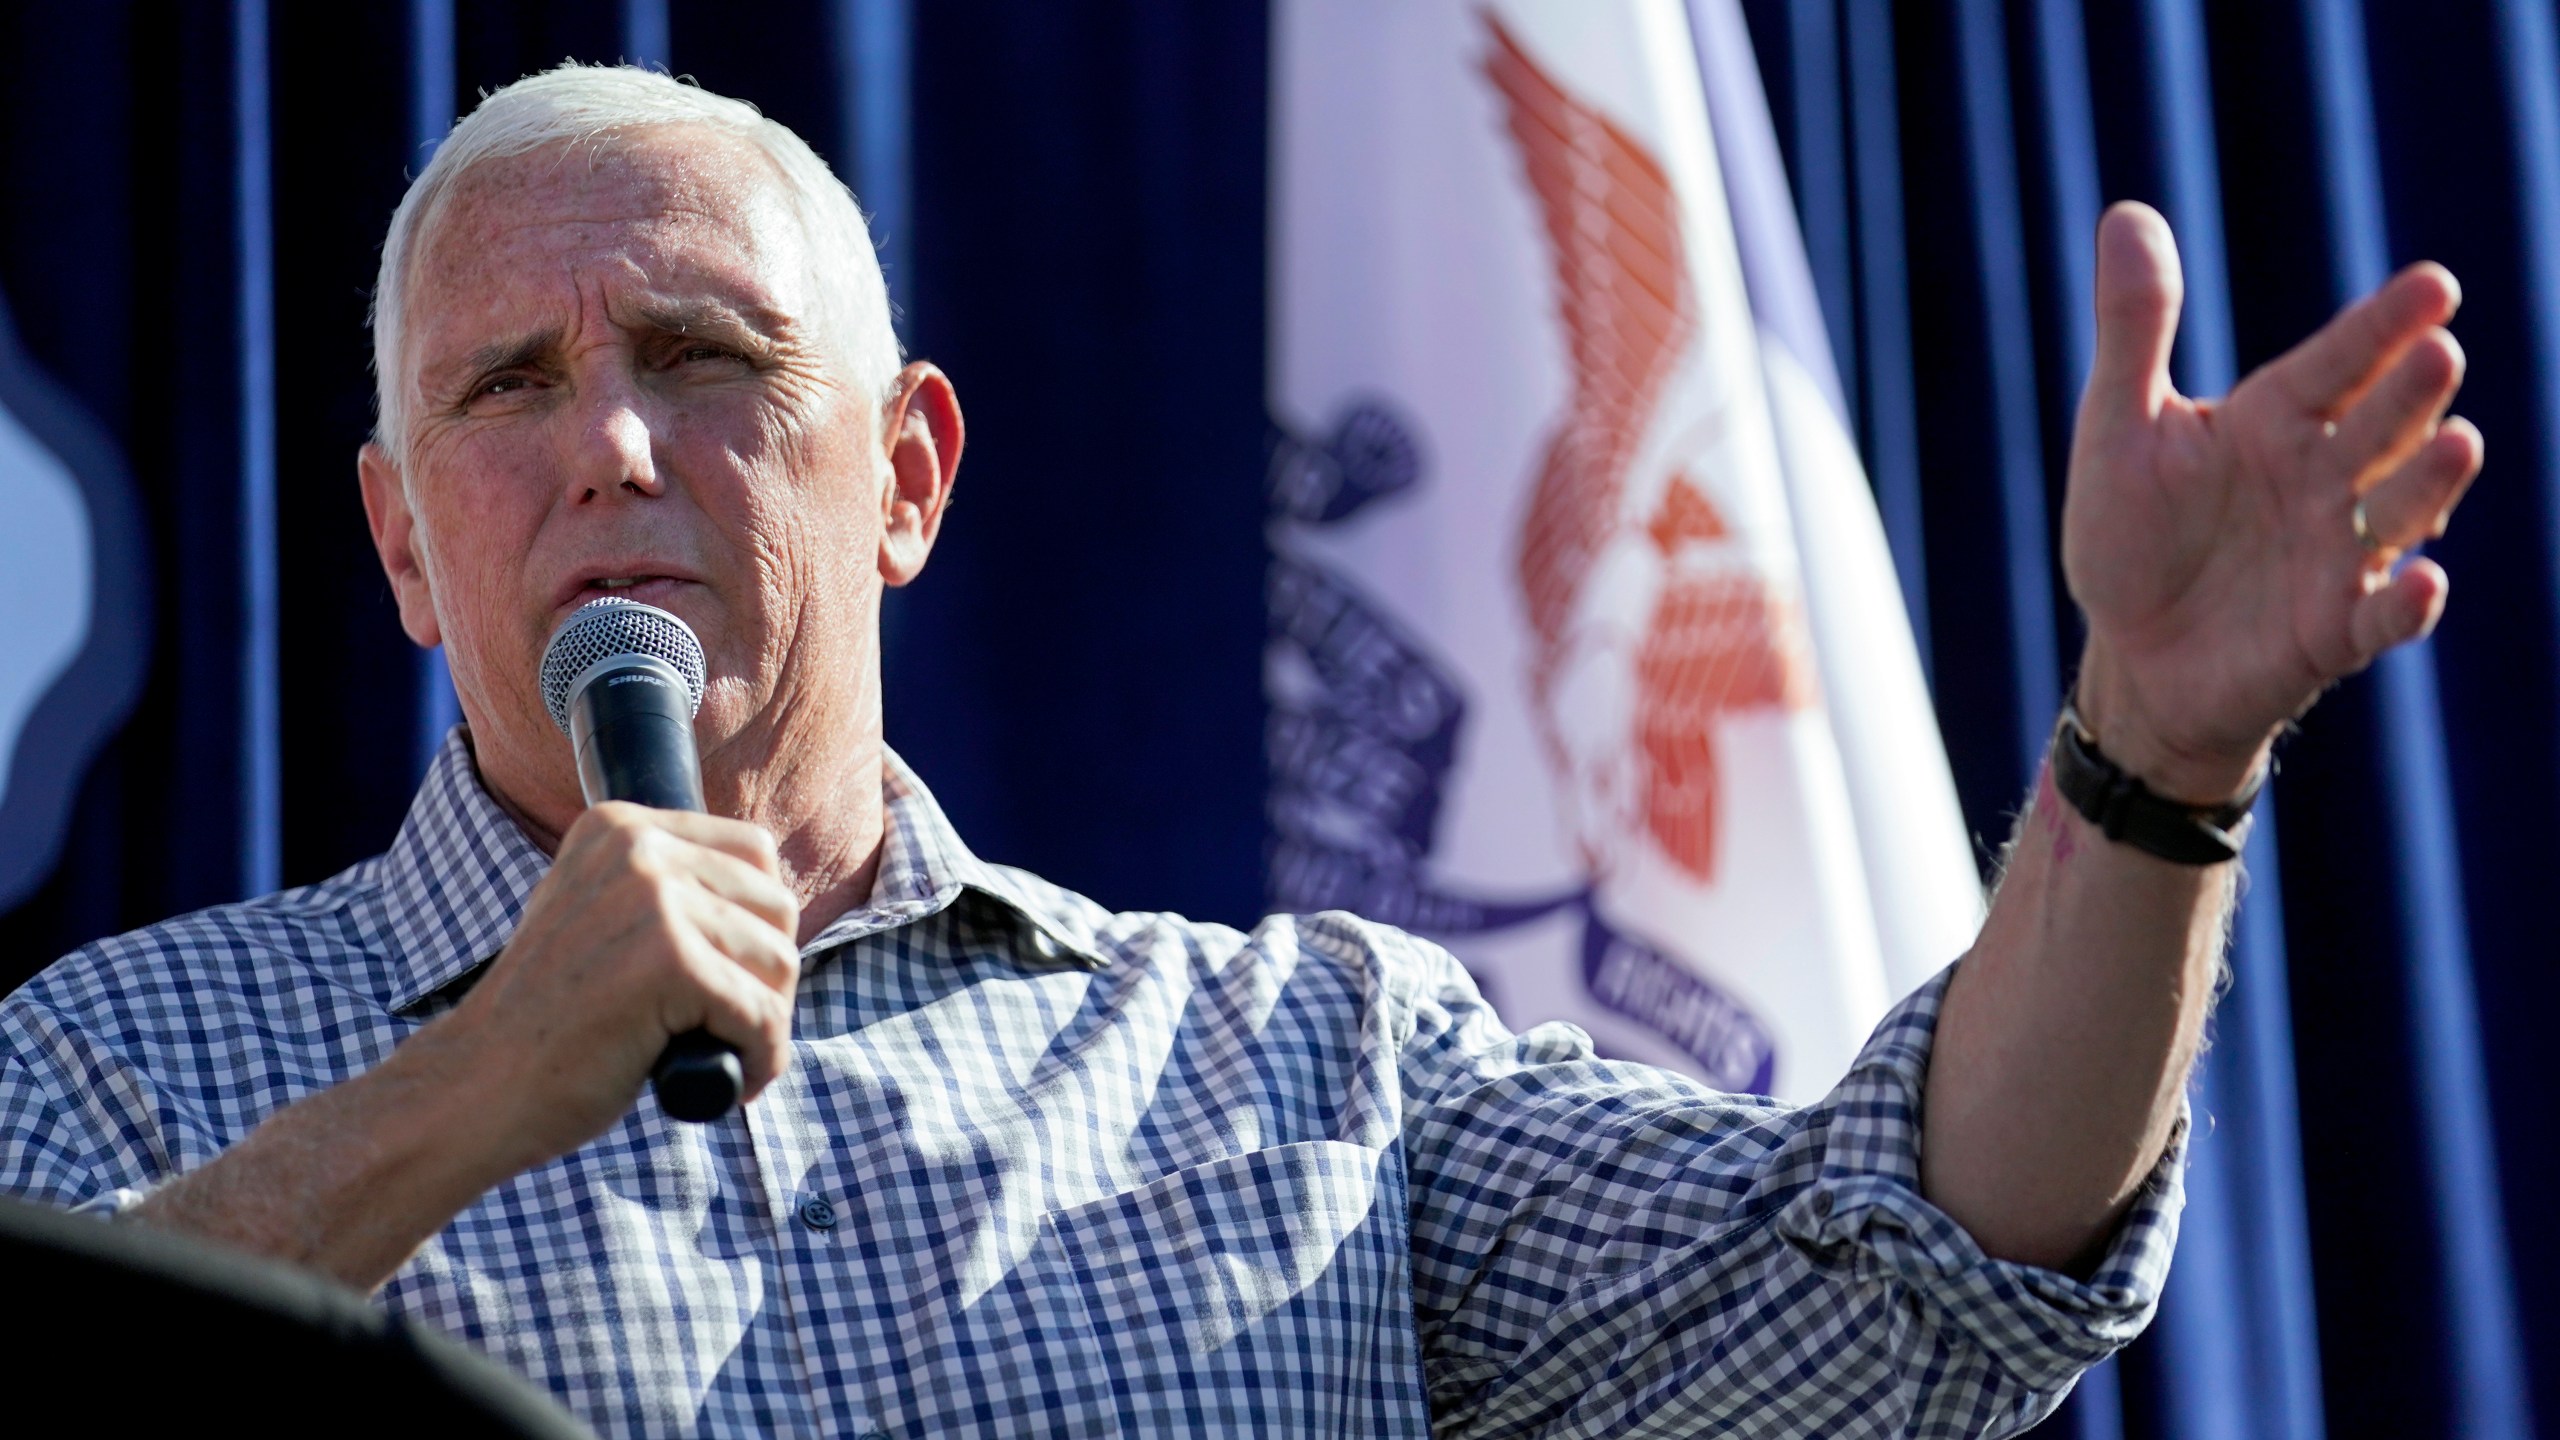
<point x="749" y="842"/>
<point x="741" y="884"/>
<point x="2414" y="502"/>
<point x="746" y="938"/>
<point x="656" y="853"/>
<point x="2139" y="289"/>
<point x="2399" y="413"/>
<point x="2326" y="373"/>
<point x="2400" y="610"/>
<point x="754" y="1018"/>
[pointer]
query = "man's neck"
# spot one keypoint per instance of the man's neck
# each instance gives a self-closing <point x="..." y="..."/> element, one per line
<point x="823" y="809"/>
<point x="827" y="820"/>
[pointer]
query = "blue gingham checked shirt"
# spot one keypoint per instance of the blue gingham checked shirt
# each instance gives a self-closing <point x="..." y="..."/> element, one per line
<point x="1040" y="1169"/>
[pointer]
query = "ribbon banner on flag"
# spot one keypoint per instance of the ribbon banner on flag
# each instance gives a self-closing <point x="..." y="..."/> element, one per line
<point x="1546" y="678"/>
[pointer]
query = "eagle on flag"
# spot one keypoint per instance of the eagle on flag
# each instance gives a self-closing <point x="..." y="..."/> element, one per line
<point x="1649" y="619"/>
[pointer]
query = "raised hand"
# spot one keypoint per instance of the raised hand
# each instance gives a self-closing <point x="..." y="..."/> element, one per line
<point x="2215" y="545"/>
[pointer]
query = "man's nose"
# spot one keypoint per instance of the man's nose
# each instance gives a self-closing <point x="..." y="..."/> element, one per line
<point x="616" y="450"/>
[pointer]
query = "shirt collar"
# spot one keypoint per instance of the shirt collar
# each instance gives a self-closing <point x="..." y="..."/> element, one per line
<point x="455" y="881"/>
<point x="925" y="868"/>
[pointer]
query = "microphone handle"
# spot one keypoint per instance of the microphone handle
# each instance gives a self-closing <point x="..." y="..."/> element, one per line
<point x="698" y="1077"/>
<point x="634" y="740"/>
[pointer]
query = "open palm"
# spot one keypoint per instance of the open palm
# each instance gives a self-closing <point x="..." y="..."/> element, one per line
<point x="2215" y="546"/>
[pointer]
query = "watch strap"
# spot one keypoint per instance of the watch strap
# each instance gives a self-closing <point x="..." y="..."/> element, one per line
<point x="2127" y="810"/>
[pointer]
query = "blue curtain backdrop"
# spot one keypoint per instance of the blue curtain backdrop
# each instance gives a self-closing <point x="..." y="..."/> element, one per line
<point x="2365" y="1251"/>
<point x="1070" y="198"/>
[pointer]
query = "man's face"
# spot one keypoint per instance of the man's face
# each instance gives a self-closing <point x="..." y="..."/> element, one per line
<point x="627" y="380"/>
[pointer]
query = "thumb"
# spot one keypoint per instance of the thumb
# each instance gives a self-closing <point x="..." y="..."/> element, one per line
<point x="2139" y="289"/>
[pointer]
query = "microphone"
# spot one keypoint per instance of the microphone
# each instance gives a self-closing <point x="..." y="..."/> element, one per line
<point x="622" y="681"/>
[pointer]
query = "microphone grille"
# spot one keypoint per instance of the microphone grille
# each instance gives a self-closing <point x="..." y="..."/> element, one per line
<point x="601" y="629"/>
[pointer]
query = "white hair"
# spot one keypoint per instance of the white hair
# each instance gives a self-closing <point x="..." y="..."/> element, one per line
<point x="594" y="104"/>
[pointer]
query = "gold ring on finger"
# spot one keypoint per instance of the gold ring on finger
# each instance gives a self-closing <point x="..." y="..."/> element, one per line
<point x="2365" y="537"/>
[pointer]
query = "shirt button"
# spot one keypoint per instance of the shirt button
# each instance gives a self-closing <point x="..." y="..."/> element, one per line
<point x="818" y="1213"/>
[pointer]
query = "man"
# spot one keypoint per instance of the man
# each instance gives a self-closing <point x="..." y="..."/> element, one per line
<point x="1018" y="1165"/>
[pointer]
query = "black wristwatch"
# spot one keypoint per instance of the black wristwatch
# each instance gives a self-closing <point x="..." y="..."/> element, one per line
<point x="2127" y="811"/>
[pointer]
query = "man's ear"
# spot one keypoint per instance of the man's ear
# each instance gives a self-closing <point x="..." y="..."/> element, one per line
<point x="395" y="539"/>
<point x="921" y="433"/>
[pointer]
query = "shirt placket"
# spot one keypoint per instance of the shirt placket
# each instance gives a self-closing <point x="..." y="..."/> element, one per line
<point x="788" y="1131"/>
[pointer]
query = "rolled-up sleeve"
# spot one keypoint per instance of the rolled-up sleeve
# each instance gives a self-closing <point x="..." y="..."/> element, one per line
<point x="1604" y="1248"/>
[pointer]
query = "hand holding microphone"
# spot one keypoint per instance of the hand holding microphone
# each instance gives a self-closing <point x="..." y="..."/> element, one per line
<point x="652" y="924"/>
<point x="623" y="681"/>
<point x="663" y="942"/>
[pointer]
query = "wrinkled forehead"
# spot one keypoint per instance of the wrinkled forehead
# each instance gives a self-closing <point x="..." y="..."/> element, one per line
<point x="682" y="213"/>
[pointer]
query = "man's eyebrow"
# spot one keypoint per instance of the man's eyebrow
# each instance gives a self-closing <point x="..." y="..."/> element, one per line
<point x="706" y="319"/>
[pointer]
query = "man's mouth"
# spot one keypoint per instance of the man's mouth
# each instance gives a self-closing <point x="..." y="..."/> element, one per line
<point x="647" y="587"/>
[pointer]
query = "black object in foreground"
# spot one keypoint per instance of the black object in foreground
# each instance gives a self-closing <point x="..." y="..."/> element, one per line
<point x="134" y="1331"/>
<point x="622" y="680"/>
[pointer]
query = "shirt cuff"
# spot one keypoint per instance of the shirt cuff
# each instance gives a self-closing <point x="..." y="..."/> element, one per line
<point x="1865" y="1213"/>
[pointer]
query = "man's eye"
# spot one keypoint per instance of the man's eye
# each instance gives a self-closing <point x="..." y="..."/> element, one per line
<point x="503" y="385"/>
<point x="705" y="352"/>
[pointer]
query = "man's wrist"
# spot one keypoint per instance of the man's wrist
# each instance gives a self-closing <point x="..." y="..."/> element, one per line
<point x="352" y="1180"/>
<point x="451" y="1112"/>
<point x="2196" y="775"/>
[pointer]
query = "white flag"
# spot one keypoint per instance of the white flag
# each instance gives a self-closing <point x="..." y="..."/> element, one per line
<point x="1543" y="671"/>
